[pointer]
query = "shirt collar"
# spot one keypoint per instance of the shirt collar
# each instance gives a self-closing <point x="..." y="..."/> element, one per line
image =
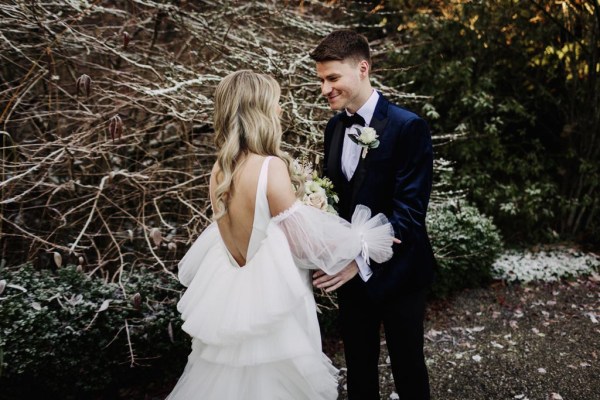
<point x="368" y="109"/>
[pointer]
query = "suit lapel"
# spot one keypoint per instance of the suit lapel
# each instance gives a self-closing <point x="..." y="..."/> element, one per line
<point x="335" y="157"/>
<point x="378" y="122"/>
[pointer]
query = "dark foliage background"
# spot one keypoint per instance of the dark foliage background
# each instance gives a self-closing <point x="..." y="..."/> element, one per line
<point x="518" y="81"/>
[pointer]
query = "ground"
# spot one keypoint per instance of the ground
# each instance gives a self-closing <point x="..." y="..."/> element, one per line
<point x="507" y="341"/>
<point x="535" y="342"/>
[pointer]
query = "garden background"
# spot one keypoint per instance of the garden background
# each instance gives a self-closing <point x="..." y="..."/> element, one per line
<point x="106" y="148"/>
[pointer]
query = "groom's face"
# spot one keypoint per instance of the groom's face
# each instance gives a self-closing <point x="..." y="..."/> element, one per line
<point x="341" y="82"/>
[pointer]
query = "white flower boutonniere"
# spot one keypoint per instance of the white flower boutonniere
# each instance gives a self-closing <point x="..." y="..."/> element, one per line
<point x="366" y="138"/>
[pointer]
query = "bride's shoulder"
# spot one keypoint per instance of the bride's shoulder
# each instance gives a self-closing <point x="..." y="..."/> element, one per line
<point x="280" y="192"/>
<point x="277" y="164"/>
<point x="278" y="172"/>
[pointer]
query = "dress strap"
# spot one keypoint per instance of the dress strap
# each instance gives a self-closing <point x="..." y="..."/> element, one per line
<point x="261" y="208"/>
<point x="262" y="213"/>
<point x="263" y="177"/>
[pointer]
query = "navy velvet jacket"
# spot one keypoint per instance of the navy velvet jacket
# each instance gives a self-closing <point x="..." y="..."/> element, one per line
<point x="394" y="179"/>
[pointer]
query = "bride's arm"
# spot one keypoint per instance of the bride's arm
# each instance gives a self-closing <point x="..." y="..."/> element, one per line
<point x="280" y="191"/>
<point x="320" y="240"/>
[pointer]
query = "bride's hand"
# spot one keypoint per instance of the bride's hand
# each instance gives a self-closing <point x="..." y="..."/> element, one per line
<point x="332" y="282"/>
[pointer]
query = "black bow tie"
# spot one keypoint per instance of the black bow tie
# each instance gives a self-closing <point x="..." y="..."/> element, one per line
<point x="349" y="120"/>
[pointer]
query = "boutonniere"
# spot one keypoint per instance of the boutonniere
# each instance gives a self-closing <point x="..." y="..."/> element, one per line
<point x="366" y="138"/>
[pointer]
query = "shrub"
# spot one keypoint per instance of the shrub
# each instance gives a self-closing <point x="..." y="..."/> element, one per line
<point x="519" y="82"/>
<point x="73" y="335"/>
<point x="466" y="244"/>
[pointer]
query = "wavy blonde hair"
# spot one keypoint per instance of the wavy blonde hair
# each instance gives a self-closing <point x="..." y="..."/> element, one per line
<point x="246" y="121"/>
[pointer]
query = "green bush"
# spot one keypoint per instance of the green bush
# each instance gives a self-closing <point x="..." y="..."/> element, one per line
<point x="519" y="83"/>
<point x="465" y="243"/>
<point x="73" y="335"/>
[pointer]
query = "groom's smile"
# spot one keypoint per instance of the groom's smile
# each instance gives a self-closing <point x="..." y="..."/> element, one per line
<point x="332" y="97"/>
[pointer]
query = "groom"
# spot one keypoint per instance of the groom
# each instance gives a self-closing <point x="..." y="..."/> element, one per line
<point x="395" y="179"/>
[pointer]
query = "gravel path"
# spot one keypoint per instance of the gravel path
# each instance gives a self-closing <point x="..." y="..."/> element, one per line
<point x="534" y="342"/>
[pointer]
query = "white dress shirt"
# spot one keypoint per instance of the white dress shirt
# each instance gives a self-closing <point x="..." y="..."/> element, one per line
<point x="350" y="158"/>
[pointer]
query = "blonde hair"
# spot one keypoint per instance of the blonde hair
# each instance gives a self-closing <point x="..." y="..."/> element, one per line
<point x="246" y="121"/>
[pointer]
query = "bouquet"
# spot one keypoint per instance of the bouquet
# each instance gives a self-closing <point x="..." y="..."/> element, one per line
<point x="318" y="191"/>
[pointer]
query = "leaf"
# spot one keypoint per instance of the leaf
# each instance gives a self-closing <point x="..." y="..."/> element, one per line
<point x="21" y="288"/>
<point x="84" y="83"/>
<point x="115" y="127"/>
<point x="104" y="306"/>
<point x="36" y="306"/>
<point x="2" y="285"/>
<point x="170" y="332"/>
<point x="589" y="314"/>
<point x="137" y="301"/>
<point x="126" y="39"/>
<point x="354" y="138"/>
<point x="475" y="329"/>
<point x="57" y="259"/>
<point x="76" y="299"/>
<point x="156" y="236"/>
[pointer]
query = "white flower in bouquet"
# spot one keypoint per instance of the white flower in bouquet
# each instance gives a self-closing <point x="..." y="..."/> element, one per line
<point x="312" y="186"/>
<point x="317" y="200"/>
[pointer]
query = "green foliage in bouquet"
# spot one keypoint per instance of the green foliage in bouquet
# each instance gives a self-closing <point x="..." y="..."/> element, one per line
<point x="466" y="244"/>
<point x="71" y="334"/>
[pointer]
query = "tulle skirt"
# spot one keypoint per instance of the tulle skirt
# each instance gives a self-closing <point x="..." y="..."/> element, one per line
<point x="255" y="330"/>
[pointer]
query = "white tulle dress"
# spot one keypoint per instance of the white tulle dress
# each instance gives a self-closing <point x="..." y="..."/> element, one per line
<point x="254" y="329"/>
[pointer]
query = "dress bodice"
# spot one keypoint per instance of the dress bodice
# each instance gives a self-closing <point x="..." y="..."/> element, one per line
<point x="262" y="213"/>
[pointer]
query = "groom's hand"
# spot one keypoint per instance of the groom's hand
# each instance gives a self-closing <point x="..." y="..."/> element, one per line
<point x="332" y="282"/>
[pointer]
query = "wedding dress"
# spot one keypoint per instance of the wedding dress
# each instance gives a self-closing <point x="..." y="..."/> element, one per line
<point x="254" y="329"/>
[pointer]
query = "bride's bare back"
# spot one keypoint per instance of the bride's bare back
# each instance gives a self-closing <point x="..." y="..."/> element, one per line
<point x="236" y="225"/>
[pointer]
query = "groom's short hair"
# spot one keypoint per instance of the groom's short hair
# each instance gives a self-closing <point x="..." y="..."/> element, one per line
<point x="340" y="45"/>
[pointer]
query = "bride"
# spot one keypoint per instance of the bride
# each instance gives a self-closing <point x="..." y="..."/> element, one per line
<point x="249" y="305"/>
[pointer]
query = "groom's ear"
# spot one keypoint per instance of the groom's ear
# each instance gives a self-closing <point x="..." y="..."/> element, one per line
<point x="364" y="67"/>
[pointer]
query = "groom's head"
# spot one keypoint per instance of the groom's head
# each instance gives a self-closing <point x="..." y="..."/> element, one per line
<point x="343" y="64"/>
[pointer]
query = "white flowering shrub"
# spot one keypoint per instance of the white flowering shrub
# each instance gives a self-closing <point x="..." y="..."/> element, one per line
<point x="465" y="244"/>
<point x="546" y="265"/>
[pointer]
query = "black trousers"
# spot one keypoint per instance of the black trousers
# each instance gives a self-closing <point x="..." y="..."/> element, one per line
<point x="402" y="318"/>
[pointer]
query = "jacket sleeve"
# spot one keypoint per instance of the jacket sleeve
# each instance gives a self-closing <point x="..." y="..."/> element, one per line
<point x="413" y="176"/>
